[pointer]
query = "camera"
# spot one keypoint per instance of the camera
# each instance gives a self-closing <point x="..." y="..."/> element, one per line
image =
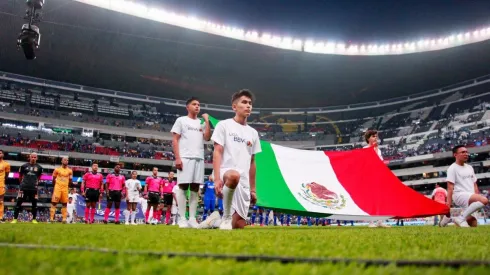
<point x="36" y="4"/>
<point x="29" y="40"/>
<point x="30" y="36"/>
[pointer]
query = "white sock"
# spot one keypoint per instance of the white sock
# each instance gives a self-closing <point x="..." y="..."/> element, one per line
<point x="182" y="201"/>
<point x="126" y="215"/>
<point x="133" y="217"/>
<point x="227" y="199"/>
<point x="192" y="205"/>
<point x="471" y="209"/>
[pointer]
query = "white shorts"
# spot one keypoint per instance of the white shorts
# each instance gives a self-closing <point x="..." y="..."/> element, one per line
<point x="192" y="171"/>
<point x="174" y="209"/>
<point x="241" y="197"/>
<point x="462" y="199"/>
<point x="133" y="197"/>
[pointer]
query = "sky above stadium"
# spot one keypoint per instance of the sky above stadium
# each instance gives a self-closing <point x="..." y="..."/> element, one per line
<point x="346" y="20"/>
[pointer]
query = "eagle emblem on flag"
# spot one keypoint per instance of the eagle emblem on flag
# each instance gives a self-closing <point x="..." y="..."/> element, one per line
<point x="320" y="195"/>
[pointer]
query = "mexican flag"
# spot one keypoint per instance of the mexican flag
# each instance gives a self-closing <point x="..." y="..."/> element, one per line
<point x="348" y="185"/>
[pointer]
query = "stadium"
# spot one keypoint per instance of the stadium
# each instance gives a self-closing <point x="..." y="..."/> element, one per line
<point x="110" y="79"/>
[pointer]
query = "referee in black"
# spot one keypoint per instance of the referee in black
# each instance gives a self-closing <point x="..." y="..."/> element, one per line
<point x="29" y="180"/>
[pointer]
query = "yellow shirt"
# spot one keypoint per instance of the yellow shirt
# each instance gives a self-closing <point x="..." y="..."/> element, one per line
<point x="4" y="171"/>
<point x="63" y="176"/>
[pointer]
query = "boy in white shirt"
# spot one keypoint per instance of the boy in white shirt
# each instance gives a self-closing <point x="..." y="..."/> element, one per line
<point x="72" y="200"/>
<point x="462" y="189"/>
<point x="133" y="188"/>
<point x="235" y="146"/>
<point x="188" y="144"/>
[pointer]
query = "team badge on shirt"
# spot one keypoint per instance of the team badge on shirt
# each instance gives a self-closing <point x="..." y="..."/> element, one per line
<point x="321" y="196"/>
<point x="249" y="143"/>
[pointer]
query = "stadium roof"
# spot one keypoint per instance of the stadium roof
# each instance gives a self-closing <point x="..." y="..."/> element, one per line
<point x="96" y="47"/>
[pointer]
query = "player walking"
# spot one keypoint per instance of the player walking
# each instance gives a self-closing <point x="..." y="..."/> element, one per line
<point x="153" y="192"/>
<point x="114" y="188"/>
<point x="168" y="196"/>
<point x="29" y="180"/>
<point x="188" y="145"/>
<point x="133" y="188"/>
<point x="62" y="179"/>
<point x="371" y="137"/>
<point x="4" y="171"/>
<point x="92" y="189"/>
<point x="463" y="190"/>
<point x="235" y="146"/>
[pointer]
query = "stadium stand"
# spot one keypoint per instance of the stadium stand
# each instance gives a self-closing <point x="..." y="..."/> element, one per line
<point x="92" y="125"/>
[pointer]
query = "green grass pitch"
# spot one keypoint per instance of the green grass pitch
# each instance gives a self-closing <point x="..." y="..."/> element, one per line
<point x="423" y="243"/>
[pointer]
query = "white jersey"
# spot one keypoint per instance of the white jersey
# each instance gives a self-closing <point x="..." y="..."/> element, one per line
<point x="133" y="187"/>
<point x="240" y="142"/>
<point x="377" y="151"/>
<point x="191" y="142"/>
<point x="463" y="178"/>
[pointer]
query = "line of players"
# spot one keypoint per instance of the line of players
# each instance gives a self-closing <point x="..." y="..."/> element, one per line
<point x="234" y="169"/>
<point x="117" y="189"/>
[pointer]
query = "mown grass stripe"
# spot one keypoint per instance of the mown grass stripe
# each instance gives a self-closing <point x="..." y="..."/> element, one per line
<point x="261" y="258"/>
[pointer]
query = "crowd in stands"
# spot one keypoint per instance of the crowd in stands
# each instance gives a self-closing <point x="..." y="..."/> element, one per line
<point x="433" y="143"/>
<point x="438" y="113"/>
<point x="73" y="144"/>
<point x="418" y="116"/>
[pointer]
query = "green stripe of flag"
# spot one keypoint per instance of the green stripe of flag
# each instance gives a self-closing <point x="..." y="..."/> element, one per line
<point x="272" y="190"/>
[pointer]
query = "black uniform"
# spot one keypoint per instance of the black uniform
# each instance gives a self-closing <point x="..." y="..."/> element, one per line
<point x="28" y="187"/>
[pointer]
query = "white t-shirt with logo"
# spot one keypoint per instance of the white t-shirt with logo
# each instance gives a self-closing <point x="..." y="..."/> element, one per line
<point x="132" y="187"/>
<point x="240" y="142"/>
<point x="191" y="142"/>
<point x="377" y="151"/>
<point x="463" y="178"/>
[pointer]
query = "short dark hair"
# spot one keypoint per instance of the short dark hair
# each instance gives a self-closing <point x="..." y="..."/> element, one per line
<point x="369" y="133"/>
<point x="243" y="92"/>
<point x="2" y="151"/>
<point x="456" y="148"/>
<point x="190" y="100"/>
